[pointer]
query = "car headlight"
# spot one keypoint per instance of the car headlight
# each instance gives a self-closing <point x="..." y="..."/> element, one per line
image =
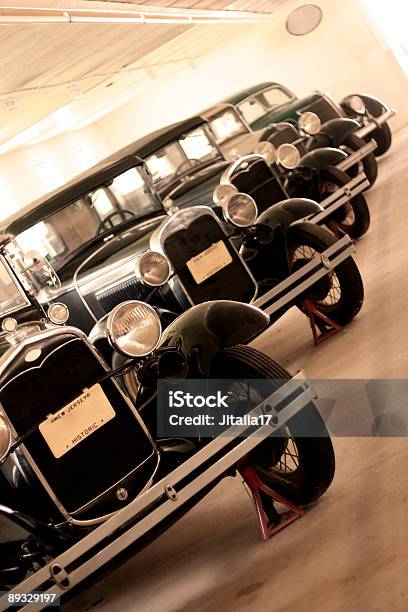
<point x="241" y="210"/>
<point x="267" y="150"/>
<point x="152" y="268"/>
<point x="133" y="328"/>
<point x="310" y="123"/>
<point x="357" y="105"/>
<point x="222" y="193"/>
<point x="58" y="313"/>
<point x="288" y="156"/>
<point x="5" y="438"/>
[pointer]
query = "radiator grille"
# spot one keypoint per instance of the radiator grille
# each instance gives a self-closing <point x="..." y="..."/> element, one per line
<point x="130" y="289"/>
<point x="323" y="110"/>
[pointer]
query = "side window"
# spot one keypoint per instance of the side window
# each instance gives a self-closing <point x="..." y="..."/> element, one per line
<point x="274" y="97"/>
<point x="251" y="110"/>
<point x="131" y="192"/>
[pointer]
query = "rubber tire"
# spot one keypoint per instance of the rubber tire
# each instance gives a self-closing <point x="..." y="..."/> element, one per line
<point x="359" y="203"/>
<point x="382" y="137"/>
<point x="369" y="162"/>
<point x="351" y="283"/>
<point x="317" y="462"/>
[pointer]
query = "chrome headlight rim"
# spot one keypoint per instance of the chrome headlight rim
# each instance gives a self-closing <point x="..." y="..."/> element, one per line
<point x="309" y="123"/>
<point x="357" y="104"/>
<point x="142" y="276"/>
<point x="55" y="306"/>
<point x="229" y="215"/>
<point x="5" y="429"/>
<point x="222" y="193"/>
<point x="267" y="151"/>
<point x="115" y="340"/>
<point x="285" y="153"/>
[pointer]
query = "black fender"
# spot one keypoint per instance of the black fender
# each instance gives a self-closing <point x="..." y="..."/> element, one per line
<point x="321" y="158"/>
<point x="205" y="329"/>
<point x="373" y="105"/>
<point x="337" y="130"/>
<point x="286" y="212"/>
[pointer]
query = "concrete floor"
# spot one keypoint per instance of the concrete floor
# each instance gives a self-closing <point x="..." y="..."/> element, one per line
<point x="349" y="552"/>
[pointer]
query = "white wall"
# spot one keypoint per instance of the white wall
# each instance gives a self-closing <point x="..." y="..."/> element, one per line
<point x="20" y="172"/>
<point x="343" y="55"/>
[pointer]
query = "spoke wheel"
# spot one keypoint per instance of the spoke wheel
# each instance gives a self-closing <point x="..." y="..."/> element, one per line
<point x="327" y="291"/>
<point x="340" y="293"/>
<point x="293" y="463"/>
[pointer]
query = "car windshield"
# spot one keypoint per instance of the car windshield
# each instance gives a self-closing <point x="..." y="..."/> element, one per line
<point x="260" y="104"/>
<point x="12" y="297"/>
<point x="69" y="230"/>
<point x="192" y="151"/>
<point x="227" y="125"/>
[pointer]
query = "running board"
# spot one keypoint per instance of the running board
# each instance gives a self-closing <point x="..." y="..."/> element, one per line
<point x="168" y="495"/>
<point x="375" y="123"/>
<point x="297" y="283"/>
<point x="340" y="197"/>
<point x="357" y="156"/>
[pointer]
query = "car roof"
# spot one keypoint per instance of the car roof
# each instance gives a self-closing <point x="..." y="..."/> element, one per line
<point x="98" y="174"/>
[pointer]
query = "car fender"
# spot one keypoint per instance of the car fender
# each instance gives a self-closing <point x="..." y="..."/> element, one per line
<point x="337" y="130"/>
<point x="205" y="329"/>
<point x="374" y="106"/>
<point x="321" y="158"/>
<point x="286" y="212"/>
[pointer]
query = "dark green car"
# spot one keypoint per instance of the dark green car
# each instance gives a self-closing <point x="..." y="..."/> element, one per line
<point x="266" y="103"/>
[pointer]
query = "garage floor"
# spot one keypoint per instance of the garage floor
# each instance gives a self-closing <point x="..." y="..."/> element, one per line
<point x="349" y="552"/>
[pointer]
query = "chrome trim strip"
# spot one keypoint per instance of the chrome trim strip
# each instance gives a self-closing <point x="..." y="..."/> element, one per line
<point x="357" y="156"/>
<point x="156" y="494"/>
<point x="375" y="123"/>
<point x="340" y="197"/>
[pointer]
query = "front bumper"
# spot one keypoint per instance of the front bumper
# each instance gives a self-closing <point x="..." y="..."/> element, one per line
<point x="287" y="291"/>
<point x="357" y="156"/>
<point x="172" y="492"/>
<point x="375" y="123"/>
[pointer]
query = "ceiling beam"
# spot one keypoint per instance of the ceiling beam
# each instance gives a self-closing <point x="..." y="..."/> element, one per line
<point x="89" y="11"/>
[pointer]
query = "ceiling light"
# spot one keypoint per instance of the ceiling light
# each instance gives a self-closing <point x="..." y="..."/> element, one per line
<point x="304" y="19"/>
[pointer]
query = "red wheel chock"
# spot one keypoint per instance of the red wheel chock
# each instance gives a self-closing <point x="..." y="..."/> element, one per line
<point x="270" y="520"/>
<point x="321" y="322"/>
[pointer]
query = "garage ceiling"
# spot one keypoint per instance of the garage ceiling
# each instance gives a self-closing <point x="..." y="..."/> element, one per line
<point x="56" y="76"/>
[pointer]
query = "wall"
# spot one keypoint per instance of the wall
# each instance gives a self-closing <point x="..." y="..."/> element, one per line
<point x="344" y="54"/>
<point x="22" y="173"/>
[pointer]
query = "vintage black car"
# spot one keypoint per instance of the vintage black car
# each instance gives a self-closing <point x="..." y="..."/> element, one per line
<point x="74" y="451"/>
<point x="266" y="103"/>
<point x="95" y="232"/>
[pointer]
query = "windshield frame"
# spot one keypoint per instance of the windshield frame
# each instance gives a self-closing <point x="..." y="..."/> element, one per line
<point x="17" y="284"/>
<point x="163" y="189"/>
<point x="268" y="109"/>
<point x="157" y="208"/>
<point x="246" y="129"/>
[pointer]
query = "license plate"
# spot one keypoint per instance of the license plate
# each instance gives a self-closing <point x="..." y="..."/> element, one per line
<point x="76" y="421"/>
<point x="209" y="262"/>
